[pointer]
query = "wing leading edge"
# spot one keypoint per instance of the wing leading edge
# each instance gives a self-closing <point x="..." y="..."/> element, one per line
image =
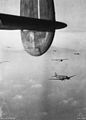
<point x="13" y="22"/>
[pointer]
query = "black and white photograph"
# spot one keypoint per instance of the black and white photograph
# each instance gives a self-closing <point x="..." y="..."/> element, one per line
<point x="42" y="59"/>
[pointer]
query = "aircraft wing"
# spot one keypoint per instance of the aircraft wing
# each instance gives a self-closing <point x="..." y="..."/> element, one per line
<point x="13" y="22"/>
<point x="72" y="76"/>
<point x="54" y="79"/>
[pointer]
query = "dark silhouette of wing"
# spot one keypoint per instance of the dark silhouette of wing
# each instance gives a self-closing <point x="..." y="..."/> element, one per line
<point x="12" y="22"/>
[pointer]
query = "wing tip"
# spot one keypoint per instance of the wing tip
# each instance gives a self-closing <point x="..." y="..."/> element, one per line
<point x="60" y="25"/>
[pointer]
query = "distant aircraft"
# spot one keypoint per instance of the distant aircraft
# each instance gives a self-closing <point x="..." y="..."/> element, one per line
<point x="60" y="60"/>
<point x="8" y="47"/>
<point x="61" y="77"/>
<point x="37" y="24"/>
<point x="77" y="53"/>
<point x="3" y="62"/>
<point x="54" y="50"/>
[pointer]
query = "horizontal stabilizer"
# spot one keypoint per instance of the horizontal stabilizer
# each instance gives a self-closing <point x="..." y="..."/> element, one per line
<point x="12" y="22"/>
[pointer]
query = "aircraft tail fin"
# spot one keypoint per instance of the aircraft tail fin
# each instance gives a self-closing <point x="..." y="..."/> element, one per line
<point x="55" y="74"/>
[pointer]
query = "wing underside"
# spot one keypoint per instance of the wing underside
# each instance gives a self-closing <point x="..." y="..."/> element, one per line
<point x="12" y="22"/>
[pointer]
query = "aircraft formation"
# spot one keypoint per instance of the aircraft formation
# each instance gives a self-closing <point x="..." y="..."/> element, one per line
<point x="62" y="77"/>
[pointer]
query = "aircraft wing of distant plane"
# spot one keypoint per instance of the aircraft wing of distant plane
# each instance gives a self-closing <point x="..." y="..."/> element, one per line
<point x="59" y="59"/>
<point x="62" y="78"/>
<point x="3" y="61"/>
<point x="13" y="22"/>
<point x="54" y="79"/>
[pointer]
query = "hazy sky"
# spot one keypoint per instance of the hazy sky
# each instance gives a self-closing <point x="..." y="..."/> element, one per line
<point x="29" y="77"/>
<point x="71" y="12"/>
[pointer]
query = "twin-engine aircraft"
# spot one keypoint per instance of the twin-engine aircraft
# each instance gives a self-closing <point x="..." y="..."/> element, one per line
<point x="37" y="24"/>
<point x="61" y="77"/>
<point x="60" y="60"/>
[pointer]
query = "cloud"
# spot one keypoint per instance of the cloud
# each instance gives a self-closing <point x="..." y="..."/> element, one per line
<point x="17" y="86"/>
<point x="84" y="108"/>
<point x="36" y="86"/>
<point x="32" y="81"/>
<point x="65" y="102"/>
<point x="18" y="97"/>
<point x="69" y="101"/>
<point x="74" y="103"/>
<point x="41" y="114"/>
<point x="2" y="93"/>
